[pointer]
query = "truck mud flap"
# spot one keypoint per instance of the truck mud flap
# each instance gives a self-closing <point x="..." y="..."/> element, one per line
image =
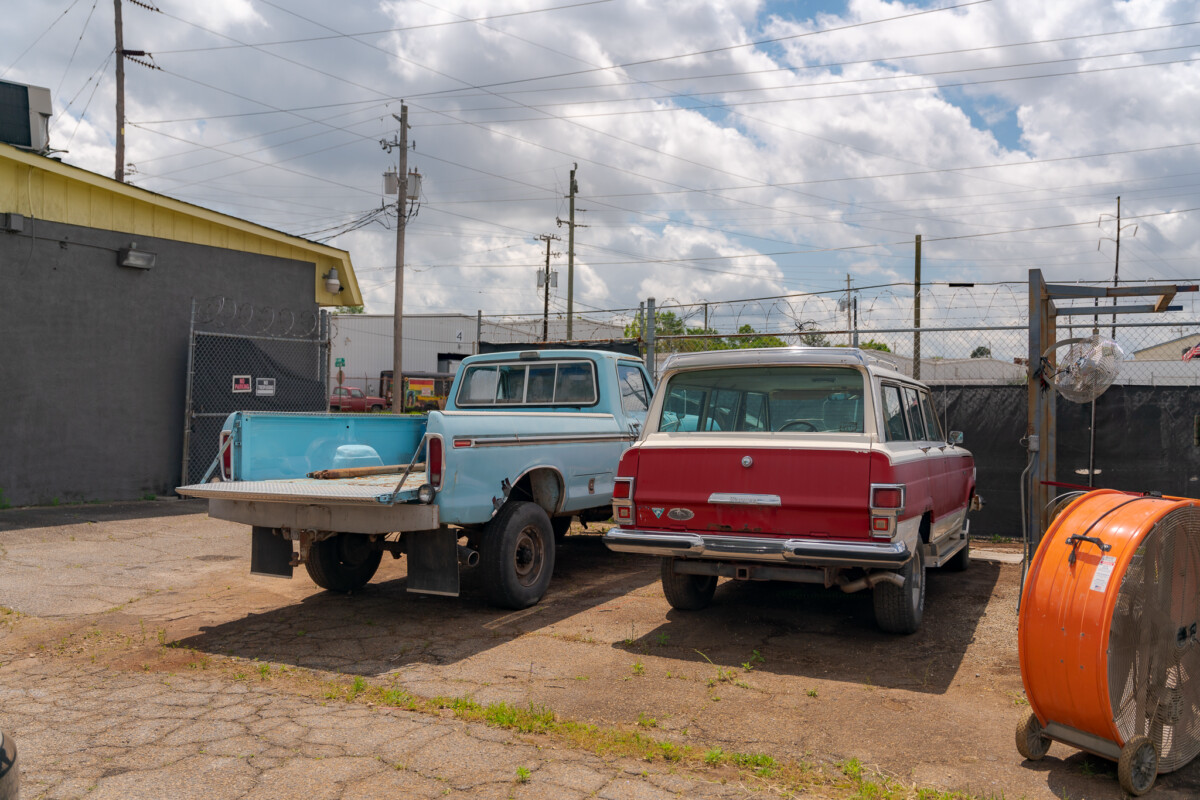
<point x="270" y="554"/>
<point x="433" y="562"/>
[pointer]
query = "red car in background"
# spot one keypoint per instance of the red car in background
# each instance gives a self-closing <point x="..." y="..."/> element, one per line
<point x="348" y="398"/>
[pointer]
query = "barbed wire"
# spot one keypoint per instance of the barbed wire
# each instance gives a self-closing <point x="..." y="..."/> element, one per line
<point x="219" y="313"/>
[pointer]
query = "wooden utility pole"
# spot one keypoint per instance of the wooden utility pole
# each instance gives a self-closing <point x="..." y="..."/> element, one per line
<point x="119" y="172"/>
<point x="401" y="220"/>
<point x="571" y="225"/>
<point x="547" y="238"/>
<point x="917" y="312"/>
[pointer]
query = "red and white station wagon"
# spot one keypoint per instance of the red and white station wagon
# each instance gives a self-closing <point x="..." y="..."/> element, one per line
<point x="807" y="464"/>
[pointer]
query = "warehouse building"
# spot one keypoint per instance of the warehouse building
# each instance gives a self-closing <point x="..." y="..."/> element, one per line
<point x="99" y="280"/>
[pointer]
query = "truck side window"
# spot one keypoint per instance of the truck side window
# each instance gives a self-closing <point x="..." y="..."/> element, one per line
<point x="931" y="420"/>
<point x="576" y="384"/>
<point x="912" y="410"/>
<point x="893" y="414"/>
<point x="634" y="396"/>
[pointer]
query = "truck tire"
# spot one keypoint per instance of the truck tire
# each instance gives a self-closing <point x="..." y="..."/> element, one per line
<point x="898" y="609"/>
<point x="342" y="563"/>
<point x="517" y="555"/>
<point x="686" y="592"/>
<point x="560" y="525"/>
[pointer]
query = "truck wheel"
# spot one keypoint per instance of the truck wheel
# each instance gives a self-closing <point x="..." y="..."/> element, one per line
<point x="686" y="592"/>
<point x="342" y="563"/>
<point x="898" y="609"/>
<point x="517" y="555"/>
<point x="560" y="525"/>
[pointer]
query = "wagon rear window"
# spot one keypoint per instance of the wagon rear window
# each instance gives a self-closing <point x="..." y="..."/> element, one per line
<point x="764" y="399"/>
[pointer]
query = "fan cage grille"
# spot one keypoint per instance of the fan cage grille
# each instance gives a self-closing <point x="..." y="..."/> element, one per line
<point x="1154" y="647"/>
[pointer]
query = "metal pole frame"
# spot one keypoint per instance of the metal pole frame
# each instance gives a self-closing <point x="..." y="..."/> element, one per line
<point x="187" y="400"/>
<point x="1042" y="429"/>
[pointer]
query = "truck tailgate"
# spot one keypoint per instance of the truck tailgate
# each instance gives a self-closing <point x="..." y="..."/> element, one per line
<point x="341" y="491"/>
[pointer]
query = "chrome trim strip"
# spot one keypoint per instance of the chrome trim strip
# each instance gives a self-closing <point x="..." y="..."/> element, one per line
<point x="740" y="499"/>
<point x="516" y="440"/>
<point x="800" y="552"/>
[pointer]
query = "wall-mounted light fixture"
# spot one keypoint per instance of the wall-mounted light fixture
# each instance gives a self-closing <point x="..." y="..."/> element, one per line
<point x="332" y="284"/>
<point x="132" y="257"/>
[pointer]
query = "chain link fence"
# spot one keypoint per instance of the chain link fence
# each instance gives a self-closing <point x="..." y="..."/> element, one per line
<point x="248" y="358"/>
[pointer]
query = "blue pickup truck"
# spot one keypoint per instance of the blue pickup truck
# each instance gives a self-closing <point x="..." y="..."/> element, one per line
<point x="527" y="441"/>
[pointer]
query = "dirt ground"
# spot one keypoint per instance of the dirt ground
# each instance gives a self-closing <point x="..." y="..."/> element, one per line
<point x="799" y="673"/>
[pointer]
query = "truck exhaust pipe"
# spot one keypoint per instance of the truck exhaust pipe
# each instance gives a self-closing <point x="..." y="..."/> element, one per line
<point x="467" y="557"/>
<point x="869" y="581"/>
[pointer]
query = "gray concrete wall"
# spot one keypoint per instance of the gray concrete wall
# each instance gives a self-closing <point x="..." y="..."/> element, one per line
<point x="92" y="375"/>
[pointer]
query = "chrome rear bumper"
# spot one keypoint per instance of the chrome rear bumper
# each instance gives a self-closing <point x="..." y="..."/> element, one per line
<point x="798" y="552"/>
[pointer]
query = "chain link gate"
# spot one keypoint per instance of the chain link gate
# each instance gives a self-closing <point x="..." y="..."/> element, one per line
<point x="248" y="358"/>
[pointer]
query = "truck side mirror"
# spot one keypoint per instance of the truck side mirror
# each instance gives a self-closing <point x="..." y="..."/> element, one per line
<point x="956" y="437"/>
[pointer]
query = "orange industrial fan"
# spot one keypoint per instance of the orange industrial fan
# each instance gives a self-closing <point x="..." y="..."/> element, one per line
<point x="1107" y="634"/>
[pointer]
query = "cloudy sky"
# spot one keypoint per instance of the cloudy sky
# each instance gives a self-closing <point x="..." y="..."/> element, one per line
<point x="724" y="149"/>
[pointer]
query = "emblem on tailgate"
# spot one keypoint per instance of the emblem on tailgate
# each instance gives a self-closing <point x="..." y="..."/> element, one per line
<point x="680" y="514"/>
<point x="657" y="512"/>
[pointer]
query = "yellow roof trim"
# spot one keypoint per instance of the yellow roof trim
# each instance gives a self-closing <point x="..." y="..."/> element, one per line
<point x="47" y="189"/>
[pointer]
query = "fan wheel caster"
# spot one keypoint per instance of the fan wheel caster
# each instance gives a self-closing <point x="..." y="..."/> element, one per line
<point x="1138" y="766"/>
<point x="1032" y="744"/>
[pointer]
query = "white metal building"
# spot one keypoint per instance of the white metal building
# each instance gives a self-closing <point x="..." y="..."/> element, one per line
<point x="362" y="343"/>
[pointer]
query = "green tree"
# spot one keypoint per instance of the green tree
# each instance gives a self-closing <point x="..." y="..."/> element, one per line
<point x="814" y="339"/>
<point x="981" y="352"/>
<point x="871" y="344"/>
<point x="349" y="309"/>
<point x="763" y="340"/>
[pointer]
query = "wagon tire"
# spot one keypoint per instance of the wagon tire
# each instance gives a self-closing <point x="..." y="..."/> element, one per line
<point x="517" y="555"/>
<point x="686" y="592"/>
<point x="342" y="563"/>
<point x="898" y="609"/>
<point x="1032" y="743"/>
<point x="960" y="561"/>
<point x="1138" y="766"/>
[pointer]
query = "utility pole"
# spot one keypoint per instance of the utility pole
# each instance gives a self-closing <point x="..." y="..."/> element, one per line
<point x="1116" y="264"/>
<point x="571" y="225"/>
<point x="401" y="143"/>
<point x="545" y="278"/>
<point x="119" y="173"/>
<point x="917" y="312"/>
<point x="849" y="314"/>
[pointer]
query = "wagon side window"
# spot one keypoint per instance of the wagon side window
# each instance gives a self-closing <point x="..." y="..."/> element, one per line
<point x="931" y="419"/>
<point x="912" y="411"/>
<point x="893" y="414"/>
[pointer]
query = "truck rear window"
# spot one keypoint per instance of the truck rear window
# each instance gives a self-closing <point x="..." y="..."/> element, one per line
<point x="799" y="399"/>
<point x="529" y="383"/>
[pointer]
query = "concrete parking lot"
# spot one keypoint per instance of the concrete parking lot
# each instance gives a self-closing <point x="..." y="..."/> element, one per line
<point x="138" y="658"/>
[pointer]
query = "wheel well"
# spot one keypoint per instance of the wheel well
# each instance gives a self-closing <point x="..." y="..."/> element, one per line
<point x="926" y="526"/>
<point x="543" y="486"/>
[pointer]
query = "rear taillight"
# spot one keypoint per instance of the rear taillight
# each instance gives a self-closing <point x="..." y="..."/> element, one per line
<point x="887" y="496"/>
<point x="622" y="505"/>
<point x="226" y="456"/>
<point x="434" y="461"/>
<point x="887" y="503"/>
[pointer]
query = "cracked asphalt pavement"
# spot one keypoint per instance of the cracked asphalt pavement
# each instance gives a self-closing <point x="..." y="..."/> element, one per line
<point x="139" y="659"/>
